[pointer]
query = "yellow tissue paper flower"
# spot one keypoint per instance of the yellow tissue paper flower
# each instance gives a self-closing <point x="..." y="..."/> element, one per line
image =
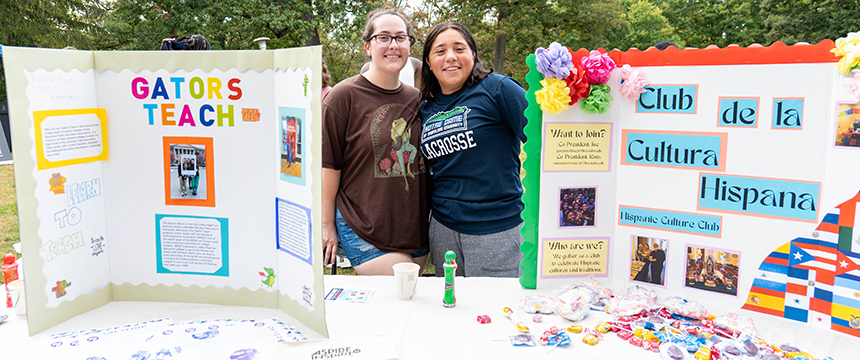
<point x="849" y="49"/>
<point x="554" y="96"/>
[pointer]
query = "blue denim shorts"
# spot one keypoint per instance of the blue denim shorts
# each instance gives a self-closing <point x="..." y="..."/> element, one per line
<point x="355" y="248"/>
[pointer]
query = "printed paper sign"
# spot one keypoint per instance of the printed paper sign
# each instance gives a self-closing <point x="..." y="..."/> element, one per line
<point x="192" y="245"/>
<point x="573" y="257"/>
<point x="68" y="137"/>
<point x="577" y="147"/>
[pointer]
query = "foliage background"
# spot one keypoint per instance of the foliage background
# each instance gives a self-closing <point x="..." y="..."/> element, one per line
<point x="506" y="30"/>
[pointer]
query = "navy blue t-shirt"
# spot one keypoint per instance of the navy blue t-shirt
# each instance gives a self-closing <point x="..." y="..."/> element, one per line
<point x="472" y="141"/>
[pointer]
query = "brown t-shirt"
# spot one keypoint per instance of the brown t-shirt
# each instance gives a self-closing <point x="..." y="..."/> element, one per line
<point x="372" y="136"/>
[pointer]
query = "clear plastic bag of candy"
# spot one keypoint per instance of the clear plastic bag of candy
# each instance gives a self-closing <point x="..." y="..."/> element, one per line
<point x="686" y="308"/>
<point x="570" y="293"/>
<point x="595" y="286"/>
<point x="639" y="290"/>
<point x="625" y="305"/>
<point x="538" y="304"/>
<point x="735" y="323"/>
<point x="573" y="311"/>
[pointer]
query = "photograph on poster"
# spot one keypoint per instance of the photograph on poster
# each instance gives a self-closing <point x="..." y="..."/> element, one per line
<point x="290" y="140"/>
<point x="712" y="270"/>
<point x="848" y="124"/>
<point x="648" y="260"/>
<point x="188" y="171"/>
<point x="576" y="207"/>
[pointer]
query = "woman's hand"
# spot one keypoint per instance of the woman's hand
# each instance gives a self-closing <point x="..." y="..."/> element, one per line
<point x="329" y="237"/>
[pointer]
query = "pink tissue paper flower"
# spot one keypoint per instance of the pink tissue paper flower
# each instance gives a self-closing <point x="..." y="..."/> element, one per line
<point x="633" y="82"/>
<point x="598" y="67"/>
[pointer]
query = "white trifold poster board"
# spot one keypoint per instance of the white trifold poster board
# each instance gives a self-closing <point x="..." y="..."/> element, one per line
<point x="731" y="180"/>
<point x="167" y="176"/>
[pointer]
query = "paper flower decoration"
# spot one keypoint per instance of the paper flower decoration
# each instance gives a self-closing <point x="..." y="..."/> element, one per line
<point x="849" y="49"/>
<point x="633" y="82"/>
<point x="555" y="62"/>
<point x="598" y="66"/>
<point x="852" y="84"/>
<point x="554" y="96"/>
<point x="598" y="101"/>
<point x="577" y="82"/>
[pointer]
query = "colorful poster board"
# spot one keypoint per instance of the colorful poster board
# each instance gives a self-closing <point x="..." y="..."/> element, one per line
<point x="157" y="176"/>
<point x="727" y="164"/>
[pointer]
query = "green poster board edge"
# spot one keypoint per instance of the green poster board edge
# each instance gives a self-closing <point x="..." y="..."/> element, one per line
<point x="531" y="180"/>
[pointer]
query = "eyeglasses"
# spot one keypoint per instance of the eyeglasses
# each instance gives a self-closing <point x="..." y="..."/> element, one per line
<point x="385" y="40"/>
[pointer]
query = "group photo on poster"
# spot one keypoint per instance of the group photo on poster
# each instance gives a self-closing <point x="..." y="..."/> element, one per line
<point x="187" y="181"/>
<point x="848" y="124"/>
<point x="648" y="260"/>
<point x="576" y="207"/>
<point x="712" y="270"/>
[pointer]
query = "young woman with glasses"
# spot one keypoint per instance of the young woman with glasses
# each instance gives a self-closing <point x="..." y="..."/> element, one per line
<point x="374" y="180"/>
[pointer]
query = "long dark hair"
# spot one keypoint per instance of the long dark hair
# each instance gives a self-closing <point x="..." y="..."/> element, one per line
<point x="430" y="85"/>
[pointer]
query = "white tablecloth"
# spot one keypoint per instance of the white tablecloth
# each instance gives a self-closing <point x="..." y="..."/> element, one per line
<point x="421" y="328"/>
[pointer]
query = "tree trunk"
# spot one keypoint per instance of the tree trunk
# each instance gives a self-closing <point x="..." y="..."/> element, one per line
<point x="312" y="35"/>
<point x="499" y="48"/>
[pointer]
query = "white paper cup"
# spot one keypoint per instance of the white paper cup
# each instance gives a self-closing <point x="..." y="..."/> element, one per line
<point x="405" y="279"/>
<point x="19" y="299"/>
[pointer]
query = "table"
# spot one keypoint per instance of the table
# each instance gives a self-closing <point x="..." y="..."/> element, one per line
<point x="421" y="328"/>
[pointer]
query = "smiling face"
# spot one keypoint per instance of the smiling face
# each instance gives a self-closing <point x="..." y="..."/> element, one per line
<point x="388" y="57"/>
<point x="451" y="60"/>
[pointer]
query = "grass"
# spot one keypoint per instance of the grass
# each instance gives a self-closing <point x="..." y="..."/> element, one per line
<point x="8" y="212"/>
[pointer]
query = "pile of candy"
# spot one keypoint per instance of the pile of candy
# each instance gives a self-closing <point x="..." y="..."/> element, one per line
<point x="679" y="329"/>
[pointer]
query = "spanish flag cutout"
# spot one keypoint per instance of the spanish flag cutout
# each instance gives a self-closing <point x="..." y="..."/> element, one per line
<point x="815" y="278"/>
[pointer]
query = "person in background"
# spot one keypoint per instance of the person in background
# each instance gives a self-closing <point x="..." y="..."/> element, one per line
<point x="374" y="182"/>
<point x="326" y="80"/>
<point x="658" y="258"/>
<point x="472" y="131"/>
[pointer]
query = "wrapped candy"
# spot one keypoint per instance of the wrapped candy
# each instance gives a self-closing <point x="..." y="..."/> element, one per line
<point x="624" y="305"/>
<point x="537" y="318"/>
<point x="538" y="304"/>
<point x="558" y="339"/>
<point x="624" y="334"/>
<point x="735" y="323"/>
<point x="590" y="339"/>
<point x="651" y="345"/>
<point x="576" y="329"/>
<point x="484" y="319"/>
<point x="649" y="294"/>
<point x="571" y="293"/>
<point x="593" y="285"/>
<point x="523" y="340"/>
<point x="729" y="350"/>
<point x="686" y="308"/>
<point x="672" y="351"/>
<point x="635" y="341"/>
<point x="704" y="353"/>
<point x="602" y="327"/>
<point x="573" y="311"/>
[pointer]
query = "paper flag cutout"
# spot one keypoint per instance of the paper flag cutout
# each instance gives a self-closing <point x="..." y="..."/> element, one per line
<point x="815" y="278"/>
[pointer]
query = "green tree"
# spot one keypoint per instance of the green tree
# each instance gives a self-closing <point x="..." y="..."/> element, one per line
<point x="700" y="23"/>
<point x="811" y="21"/>
<point x="648" y="26"/>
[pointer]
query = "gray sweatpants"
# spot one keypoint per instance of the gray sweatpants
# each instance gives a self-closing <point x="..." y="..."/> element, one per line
<point x="491" y="255"/>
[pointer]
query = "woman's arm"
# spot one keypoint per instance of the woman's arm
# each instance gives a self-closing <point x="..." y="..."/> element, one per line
<point x="330" y="184"/>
